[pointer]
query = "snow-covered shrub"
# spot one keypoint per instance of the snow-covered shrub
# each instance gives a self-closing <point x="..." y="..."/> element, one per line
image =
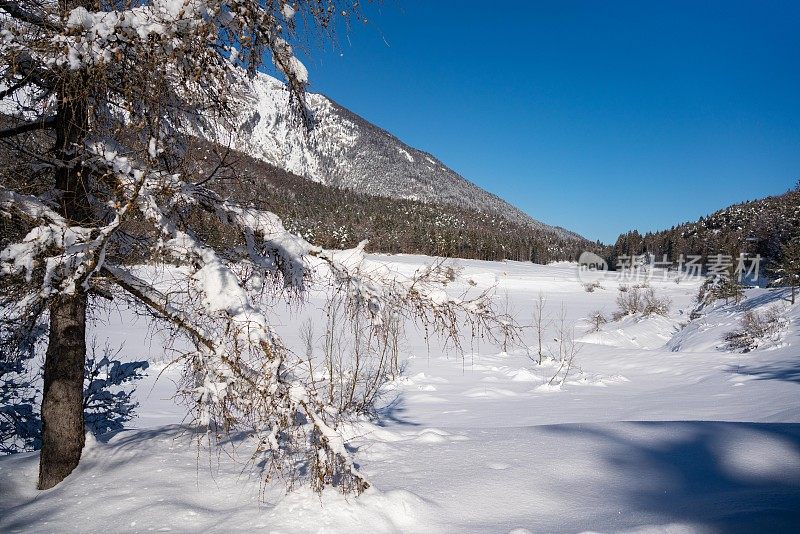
<point x="108" y="394"/>
<point x="568" y="348"/>
<point x="597" y="319"/>
<point x="655" y="305"/>
<point x="629" y="302"/>
<point x="623" y="288"/>
<point x="591" y="286"/>
<point x="540" y="323"/>
<point x="348" y="365"/>
<point x="641" y="301"/>
<point x="719" y="288"/>
<point x="757" y="328"/>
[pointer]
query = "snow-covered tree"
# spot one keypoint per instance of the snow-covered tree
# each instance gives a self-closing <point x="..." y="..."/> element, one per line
<point x="716" y="288"/>
<point x="100" y="99"/>
<point x="788" y="268"/>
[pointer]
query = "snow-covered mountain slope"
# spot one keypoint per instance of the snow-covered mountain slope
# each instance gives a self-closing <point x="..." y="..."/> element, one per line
<point x="347" y="151"/>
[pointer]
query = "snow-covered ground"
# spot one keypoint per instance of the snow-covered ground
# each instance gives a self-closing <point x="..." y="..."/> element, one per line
<point x="657" y="428"/>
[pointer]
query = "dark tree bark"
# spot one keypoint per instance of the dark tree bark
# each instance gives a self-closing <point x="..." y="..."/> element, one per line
<point x="62" y="400"/>
<point x="62" y="397"/>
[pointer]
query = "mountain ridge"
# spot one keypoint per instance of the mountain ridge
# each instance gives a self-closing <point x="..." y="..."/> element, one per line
<point x="345" y="150"/>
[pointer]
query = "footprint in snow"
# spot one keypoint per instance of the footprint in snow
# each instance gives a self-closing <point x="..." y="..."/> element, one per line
<point x="497" y="466"/>
<point x="434" y="435"/>
<point x="489" y="393"/>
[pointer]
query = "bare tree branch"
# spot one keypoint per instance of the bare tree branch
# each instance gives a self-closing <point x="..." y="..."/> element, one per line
<point x="18" y="12"/>
<point x="47" y="124"/>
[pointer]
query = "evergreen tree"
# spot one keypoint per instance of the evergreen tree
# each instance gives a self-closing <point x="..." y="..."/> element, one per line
<point x="788" y="268"/>
<point x="99" y="167"/>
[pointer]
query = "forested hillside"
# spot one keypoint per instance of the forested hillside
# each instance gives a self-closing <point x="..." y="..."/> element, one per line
<point x="337" y="217"/>
<point x="754" y="227"/>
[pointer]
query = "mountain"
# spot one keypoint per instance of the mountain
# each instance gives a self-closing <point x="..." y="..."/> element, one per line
<point x="344" y="150"/>
<point x="335" y="217"/>
<point x="344" y="181"/>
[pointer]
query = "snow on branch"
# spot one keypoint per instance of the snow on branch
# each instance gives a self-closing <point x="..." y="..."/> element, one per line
<point x="236" y="378"/>
<point x="138" y="77"/>
<point x="194" y="34"/>
<point x="75" y="252"/>
<point x="239" y="376"/>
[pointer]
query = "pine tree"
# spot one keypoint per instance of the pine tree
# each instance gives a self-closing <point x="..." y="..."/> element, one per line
<point x="788" y="268"/>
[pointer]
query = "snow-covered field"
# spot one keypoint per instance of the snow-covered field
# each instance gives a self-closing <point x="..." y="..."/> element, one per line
<point x="656" y="428"/>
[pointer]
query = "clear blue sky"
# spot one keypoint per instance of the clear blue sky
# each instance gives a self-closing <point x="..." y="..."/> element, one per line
<point x="599" y="116"/>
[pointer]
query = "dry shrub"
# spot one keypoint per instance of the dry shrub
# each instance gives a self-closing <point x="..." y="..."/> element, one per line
<point x="591" y="286"/>
<point x="597" y="319"/>
<point x="640" y="300"/>
<point x="349" y="364"/>
<point x="756" y="329"/>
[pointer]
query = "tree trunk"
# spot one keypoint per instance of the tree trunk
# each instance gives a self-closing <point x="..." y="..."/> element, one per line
<point x="62" y="397"/>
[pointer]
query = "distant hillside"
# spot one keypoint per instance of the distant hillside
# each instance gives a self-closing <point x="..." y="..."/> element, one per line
<point x="330" y="216"/>
<point x="755" y="227"/>
<point x="335" y="217"/>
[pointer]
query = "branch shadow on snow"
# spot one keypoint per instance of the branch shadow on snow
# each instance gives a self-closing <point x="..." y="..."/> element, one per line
<point x="779" y="295"/>
<point x="394" y="412"/>
<point x="24" y="509"/>
<point x="723" y="476"/>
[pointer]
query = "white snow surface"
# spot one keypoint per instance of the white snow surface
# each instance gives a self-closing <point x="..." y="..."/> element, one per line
<point x="656" y="430"/>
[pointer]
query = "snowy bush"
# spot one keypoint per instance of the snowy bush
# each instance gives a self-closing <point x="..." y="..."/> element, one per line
<point x="348" y="365"/>
<point x="641" y="301"/>
<point x="757" y="328"/>
<point x="566" y="349"/>
<point x="654" y="305"/>
<point x="719" y="288"/>
<point x="541" y="321"/>
<point x="597" y="319"/>
<point x="591" y="286"/>
<point x="629" y="302"/>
